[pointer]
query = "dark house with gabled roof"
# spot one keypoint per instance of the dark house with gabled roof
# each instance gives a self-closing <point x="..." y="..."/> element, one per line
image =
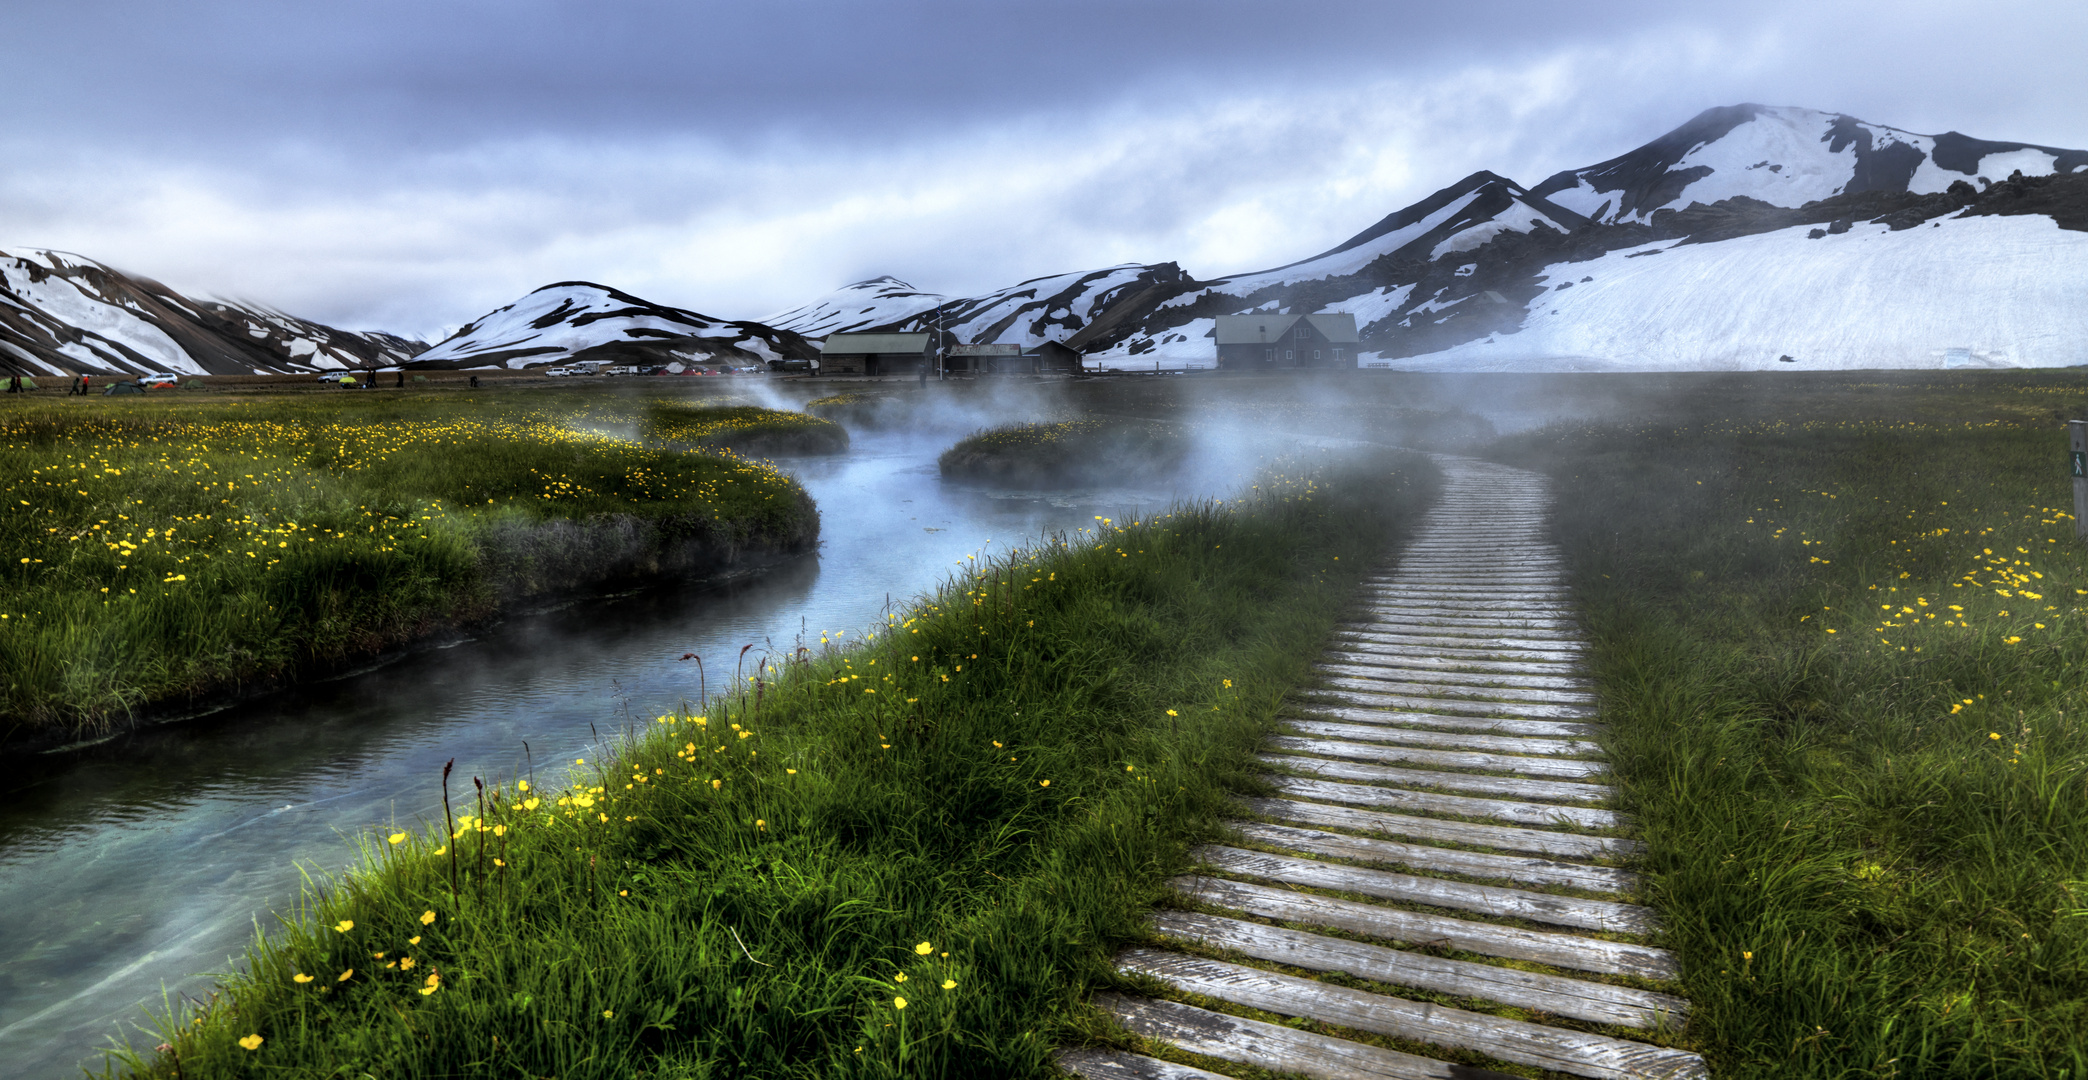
<point x="876" y="354"/>
<point x="1267" y="342"/>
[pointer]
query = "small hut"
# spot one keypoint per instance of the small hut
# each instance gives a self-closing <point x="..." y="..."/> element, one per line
<point x="875" y="354"/>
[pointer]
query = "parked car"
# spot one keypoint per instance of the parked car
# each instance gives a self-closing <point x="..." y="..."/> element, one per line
<point x="335" y="376"/>
<point x="558" y="372"/>
<point x="154" y="379"/>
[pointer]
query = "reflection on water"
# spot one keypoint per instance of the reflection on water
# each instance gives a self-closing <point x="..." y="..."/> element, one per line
<point x="139" y="863"/>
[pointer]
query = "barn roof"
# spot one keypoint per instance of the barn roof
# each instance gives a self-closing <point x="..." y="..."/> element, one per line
<point x="1255" y="329"/>
<point x="875" y="343"/>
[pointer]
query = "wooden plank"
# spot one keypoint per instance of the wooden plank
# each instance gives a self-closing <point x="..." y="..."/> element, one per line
<point x="1561" y="768"/>
<point x="1428" y="802"/>
<point x="1457" y="649"/>
<point x="1468" y="636"/>
<point x="1504" y="837"/>
<point x="1486" y="592"/>
<point x="1578" y="999"/>
<point x="1495" y="900"/>
<point x="1576" y="1052"/>
<point x="1562" y="950"/>
<point x="1273" y="1046"/>
<point x="1445" y="740"/>
<point x="1451" y="617"/>
<point x="1091" y="1064"/>
<point x="1372" y="668"/>
<point x="1554" y="728"/>
<point x="1421" y="703"/>
<point x="1420" y="857"/>
<point x="1404" y="669"/>
<point x="1385" y="684"/>
<point x="1349" y="651"/>
<point x="1516" y="615"/>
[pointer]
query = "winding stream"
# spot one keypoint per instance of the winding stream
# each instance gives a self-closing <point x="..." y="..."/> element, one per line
<point x="129" y="868"/>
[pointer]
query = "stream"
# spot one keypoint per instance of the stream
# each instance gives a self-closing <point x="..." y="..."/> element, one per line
<point x="130" y="870"/>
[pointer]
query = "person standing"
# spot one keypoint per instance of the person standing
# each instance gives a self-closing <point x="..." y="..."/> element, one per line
<point x="74" y="390"/>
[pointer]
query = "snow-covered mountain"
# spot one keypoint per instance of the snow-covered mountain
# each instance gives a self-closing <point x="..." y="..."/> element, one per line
<point x="61" y="314"/>
<point x="1751" y="236"/>
<point x="579" y="320"/>
<point x="1788" y="157"/>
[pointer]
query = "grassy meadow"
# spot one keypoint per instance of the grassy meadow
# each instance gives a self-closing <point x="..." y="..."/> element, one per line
<point x="903" y="858"/>
<point x="162" y="551"/>
<point x="1077" y="451"/>
<point x="1838" y="627"/>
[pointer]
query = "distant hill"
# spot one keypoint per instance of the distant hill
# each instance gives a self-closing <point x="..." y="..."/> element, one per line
<point x="579" y="320"/>
<point x="61" y="313"/>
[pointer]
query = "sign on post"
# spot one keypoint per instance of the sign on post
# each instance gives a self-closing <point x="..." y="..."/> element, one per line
<point x="2077" y="438"/>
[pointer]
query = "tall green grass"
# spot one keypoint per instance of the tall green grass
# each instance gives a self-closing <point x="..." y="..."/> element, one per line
<point x="1079" y="451"/>
<point x="159" y="552"/>
<point x="1842" y="664"/>
<point x="902" y="858"/>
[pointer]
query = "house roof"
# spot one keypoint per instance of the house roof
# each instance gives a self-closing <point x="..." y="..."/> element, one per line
<point x="1337" y="327"/>
<point x="1255" y="329"/>
<point x="913" y="344"/>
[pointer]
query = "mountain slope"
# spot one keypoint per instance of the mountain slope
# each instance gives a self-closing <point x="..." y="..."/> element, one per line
<point x="1788" y="157"/>
<point x="60" y="313"/>
<point x="1719" y="219"/>
<point x="580" y="320"/>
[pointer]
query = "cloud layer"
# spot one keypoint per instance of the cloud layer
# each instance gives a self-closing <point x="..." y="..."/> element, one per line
<point x="390" y="167"/>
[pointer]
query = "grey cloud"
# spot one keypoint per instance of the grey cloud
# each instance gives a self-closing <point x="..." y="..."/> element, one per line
<point x="410" y="165"/>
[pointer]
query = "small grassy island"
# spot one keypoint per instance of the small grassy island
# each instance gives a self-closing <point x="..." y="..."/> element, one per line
<point x="161" y="553"/>
<point x="1069" y="452"/>
<point x="909" y="857"/>
<point x="747" y="430"/>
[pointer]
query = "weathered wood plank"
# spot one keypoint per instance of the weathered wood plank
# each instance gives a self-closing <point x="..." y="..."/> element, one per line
<point x="1419" y="659"/>
<point x="1115" y="1065"/>
<point x="1597" y="1003"/>
<point x="1490" y="724"/>
<point x="1273" y="1046"/>
<point x="1425" y="859"/>
<point x="1315" y="785"/>
<point x="1575" y="1052"/>
<point x="1460" y="691"/>
<point x="1445" y="740"/>
<point x="1420" y="703"/>
<point x="1503" y="598"/>
<point x="1504" y="837"/>
<point x="1365" y="666"/>
<point x="1519" y="611"/>
<point x="1438" y="931"/>
<point x="1505" y="650"/>
<point x="1452" y="612"/>
<point x="1506" y="687"/>
<point x="1498" y="901"/>
<point x="1534" y="628"/>
<point x="1561" y="768"/>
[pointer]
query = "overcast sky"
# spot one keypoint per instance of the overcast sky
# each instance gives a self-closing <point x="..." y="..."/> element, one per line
<point x="410" y="165"/>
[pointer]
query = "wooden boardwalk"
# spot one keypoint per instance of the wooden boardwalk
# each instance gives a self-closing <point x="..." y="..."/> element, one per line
<point x="1440" y="874"/>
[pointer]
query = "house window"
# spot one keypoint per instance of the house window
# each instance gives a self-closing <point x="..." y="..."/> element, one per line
<point x="1269" y="354"/>
<point x="1315" y="354"/>
<point x="1288" y="355"/>
<point x="1337" y="354"/>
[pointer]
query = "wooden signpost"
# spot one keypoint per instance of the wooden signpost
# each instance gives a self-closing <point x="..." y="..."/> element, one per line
<point x="2077" y="440"/>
